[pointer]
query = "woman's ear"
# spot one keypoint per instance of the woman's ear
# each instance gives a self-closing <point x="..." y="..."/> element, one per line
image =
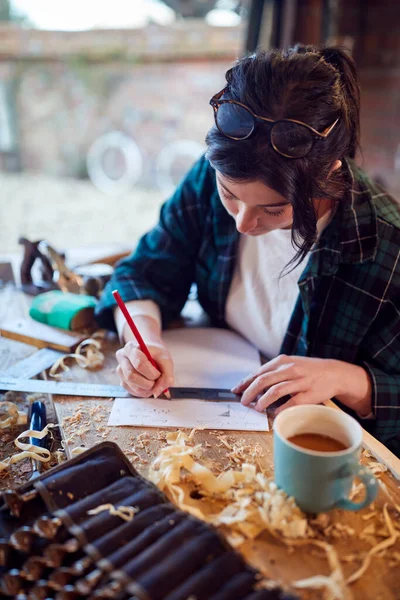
<point x="336" y="165"/>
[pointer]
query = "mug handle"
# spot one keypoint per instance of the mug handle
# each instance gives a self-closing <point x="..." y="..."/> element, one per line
<point x="370" y="483"/>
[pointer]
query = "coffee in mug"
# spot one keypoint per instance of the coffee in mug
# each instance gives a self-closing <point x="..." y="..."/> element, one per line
<point x="316" y="458"/>
<point x="316" y="441"/>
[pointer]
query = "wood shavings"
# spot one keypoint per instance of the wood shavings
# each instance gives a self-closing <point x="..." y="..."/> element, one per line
<point x="339" y="530"/>
<point x="12" y="415"/>
<point x="87" y="355"/>
<point x="377" y="468"/>
<point x="225" y="443"/>
<point x="334" y="592"/>
<point x="334" y="584"/>
<point x="369" y="516"/>
<point x="60" y="456"/>
<point x="393" y="535"/>
<point x="253" y="502"/>
<point x="194" y="431"/>
<point x="357" y="488"/>
<point x="367" y="453"/>
<point x="126" y="513"/>
<point x="73" y="419"/>
<point x="78" y="450"/>
<point x="29" y="450"/>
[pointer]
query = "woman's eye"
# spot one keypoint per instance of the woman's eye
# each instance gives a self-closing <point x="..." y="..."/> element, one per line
<point x="227" y="197"/>
<point x="273" y="214"/>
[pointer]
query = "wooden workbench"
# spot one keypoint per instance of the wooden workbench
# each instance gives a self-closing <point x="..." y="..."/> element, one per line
<point x="84" y="423"/>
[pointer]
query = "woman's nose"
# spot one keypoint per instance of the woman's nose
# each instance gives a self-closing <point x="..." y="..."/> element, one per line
<point x="245" y="220"/>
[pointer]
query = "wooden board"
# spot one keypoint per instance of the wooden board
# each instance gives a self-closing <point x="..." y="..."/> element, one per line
<point x="40" y="335"/>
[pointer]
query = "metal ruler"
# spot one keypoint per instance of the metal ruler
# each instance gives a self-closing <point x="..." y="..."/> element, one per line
<point x="34" y="364"/>
<point x="102" y="390"/>
<point x="64" y="388"/>
<point x="18" y="379"/>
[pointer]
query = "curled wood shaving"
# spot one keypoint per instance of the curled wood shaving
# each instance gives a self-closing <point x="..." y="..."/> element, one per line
<point x="12" y="415"/>
<point x="393" y="535"/>
<point x="87" y="355"/>
<point x="78" y="450"/>
<point x="29" y="450"/>
<point x="124" y="512"/>
<point x="369" y="516"/>
<point x="334" y="584"/>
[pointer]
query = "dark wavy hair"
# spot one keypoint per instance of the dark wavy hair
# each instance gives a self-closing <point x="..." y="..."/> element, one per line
<point x="307" y="83"/>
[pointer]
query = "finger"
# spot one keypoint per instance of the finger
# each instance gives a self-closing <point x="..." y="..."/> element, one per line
<point x="278" y="362"/>
<point x="136" y="391"/>
<point x="285" y="388"/>
<point x="140" y="362"/>
<point x="133" y="389"/>
<point x="166" y="380"/>
<point x="132" y="377"/>
<point x="267" y="380"/>
<point x="296" y="400"/>
<point x="244" y="383"/>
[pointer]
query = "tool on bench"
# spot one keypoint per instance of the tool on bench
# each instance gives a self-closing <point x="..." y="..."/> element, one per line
<point x="37" y="422"/>
<point x="56" y="275"/>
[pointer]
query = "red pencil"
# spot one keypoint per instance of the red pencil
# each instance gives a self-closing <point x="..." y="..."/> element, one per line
<point x="137" y="335"/>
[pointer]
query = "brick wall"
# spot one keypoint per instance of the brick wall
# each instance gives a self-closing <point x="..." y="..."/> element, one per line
<point x="69" y="88"/>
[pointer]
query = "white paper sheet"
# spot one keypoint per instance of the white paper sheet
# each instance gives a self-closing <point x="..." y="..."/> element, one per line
<point x="186" y="413"/>
<point x="204" y="358"/>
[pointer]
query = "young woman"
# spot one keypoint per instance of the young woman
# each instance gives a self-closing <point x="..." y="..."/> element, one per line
<point x="288" y="241"/>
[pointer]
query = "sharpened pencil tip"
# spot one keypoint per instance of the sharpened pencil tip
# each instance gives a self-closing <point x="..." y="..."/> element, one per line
<point x="167" y="394"/>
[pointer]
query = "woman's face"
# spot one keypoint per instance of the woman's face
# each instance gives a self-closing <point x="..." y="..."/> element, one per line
<point x="256" y="208"/>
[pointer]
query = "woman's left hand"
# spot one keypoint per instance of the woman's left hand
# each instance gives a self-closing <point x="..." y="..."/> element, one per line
<point x="306" y="380"/>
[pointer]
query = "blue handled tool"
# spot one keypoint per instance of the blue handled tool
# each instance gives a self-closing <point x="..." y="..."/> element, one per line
<point x="37" y="421"/>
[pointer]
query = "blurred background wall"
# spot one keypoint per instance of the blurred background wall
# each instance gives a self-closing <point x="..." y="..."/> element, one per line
<point x="72" y="72"/>
<point x="371" y="30"/>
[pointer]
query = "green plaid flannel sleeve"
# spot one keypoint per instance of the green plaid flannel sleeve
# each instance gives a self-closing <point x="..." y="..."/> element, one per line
<point x="381" y="349"/>
<point x="162" y="266"/>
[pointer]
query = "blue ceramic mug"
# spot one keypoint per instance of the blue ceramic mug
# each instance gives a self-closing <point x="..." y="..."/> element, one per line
<point x="320" y="481"/>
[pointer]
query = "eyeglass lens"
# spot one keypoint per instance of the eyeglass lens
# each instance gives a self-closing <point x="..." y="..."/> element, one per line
<point x="234" y="120"/>
<point x="291" y="139"/>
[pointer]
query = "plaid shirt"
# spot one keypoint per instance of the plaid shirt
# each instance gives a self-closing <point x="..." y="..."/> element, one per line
<point x="348" y="307"/>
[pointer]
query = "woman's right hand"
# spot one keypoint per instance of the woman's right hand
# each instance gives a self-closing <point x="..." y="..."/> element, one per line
<point x="138" y="376"/>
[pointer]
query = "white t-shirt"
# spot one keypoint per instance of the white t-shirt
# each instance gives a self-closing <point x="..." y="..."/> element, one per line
<point x="260" y="302"/>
